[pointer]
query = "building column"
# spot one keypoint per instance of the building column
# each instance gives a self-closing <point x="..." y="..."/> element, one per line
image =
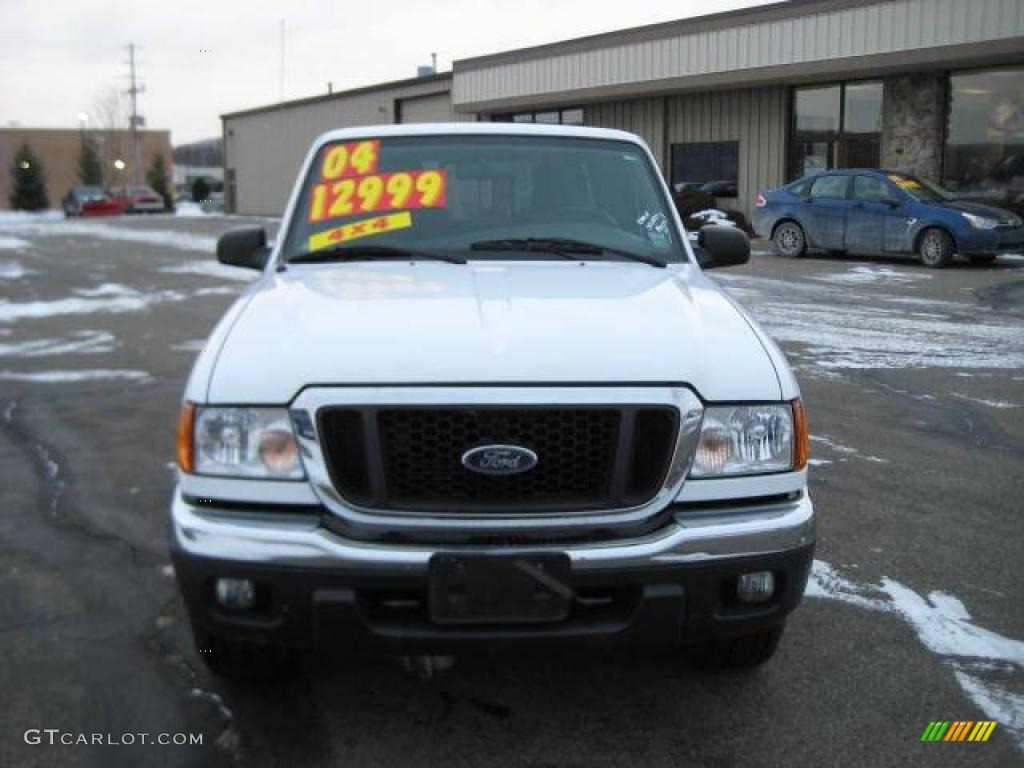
<point x="913" y="123"/>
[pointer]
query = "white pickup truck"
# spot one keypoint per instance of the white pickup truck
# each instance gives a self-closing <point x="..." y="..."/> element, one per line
<point x="484" y="394"/>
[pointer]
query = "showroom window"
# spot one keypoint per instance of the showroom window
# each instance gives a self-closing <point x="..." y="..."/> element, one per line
<point x="984" y="151"/>
<point x="836" y="126"/>
<point x="572" y="116"/>
<point x="710" y="166"/>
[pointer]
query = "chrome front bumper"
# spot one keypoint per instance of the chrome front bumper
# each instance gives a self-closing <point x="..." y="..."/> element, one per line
<point x="692" y="537"/>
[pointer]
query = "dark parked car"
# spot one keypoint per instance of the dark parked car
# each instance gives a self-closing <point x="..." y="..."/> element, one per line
<point x="719" y="188"/>
<point x="88" y="201"/>
<point x="883" y="212"/>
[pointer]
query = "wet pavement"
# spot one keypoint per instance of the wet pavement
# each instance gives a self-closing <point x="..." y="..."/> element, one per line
<point x="914" y="383"/>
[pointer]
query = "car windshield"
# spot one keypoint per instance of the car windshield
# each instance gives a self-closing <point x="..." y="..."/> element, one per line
<point x="89" y="192"/>
<point x="141" y="191"/>
<point x="479" y="197"/>
<point x="920" y="189"/>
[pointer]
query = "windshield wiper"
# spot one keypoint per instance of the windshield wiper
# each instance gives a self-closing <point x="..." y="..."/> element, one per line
<point x="341" y="251"/>
<point x="564" y="247"/>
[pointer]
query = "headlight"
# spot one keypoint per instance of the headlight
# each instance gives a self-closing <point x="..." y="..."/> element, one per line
<point x="750" y="440"/>
<point x="243" y="442"/>
<point x="980" y="222"/>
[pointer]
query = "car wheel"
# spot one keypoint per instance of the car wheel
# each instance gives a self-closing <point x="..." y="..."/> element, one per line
<point x="240" y="660"/>
<point x="985" y="258"/>
<point x="936" y="248"/>
<point x="743" y="652"/>
<point x="789" y="240"/>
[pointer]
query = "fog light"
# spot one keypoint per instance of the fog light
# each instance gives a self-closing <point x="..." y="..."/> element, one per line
<point x="756" y="587"/>
<point x="235" y="594"/>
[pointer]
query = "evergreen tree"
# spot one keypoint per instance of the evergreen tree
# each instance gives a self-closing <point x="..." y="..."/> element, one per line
<point x="200" y="190"/>
<point x="90" y="169"/>
<point x="157" y="178"/>
<point x="28" y="183"/>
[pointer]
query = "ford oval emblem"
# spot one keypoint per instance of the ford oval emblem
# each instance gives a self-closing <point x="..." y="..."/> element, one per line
<point x="499" y="459"/>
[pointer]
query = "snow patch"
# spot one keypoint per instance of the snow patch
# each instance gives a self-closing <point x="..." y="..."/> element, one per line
<point x="836" y="332"/>
<point x="8" y="243"/>
<point x="943" y="625"/>
<point x="108" y="298"/>
<point x="195" y="345"/>
<point x="862" y="275"/>
<point x="74" y="376"/>
<point x="996" y="702"/>
<point x="990" y="403"/>
<point x="214" y="699"/>
<point x="50" y="227"/>
<point x="79" y="342"/>
<point x="212" y="269"/>
<point x="845" y="450"/>
<point x="189" y="210"/>
<point x="713" y="216"/>
<point x="8" y="218"/>
<point x="12" y="270"/>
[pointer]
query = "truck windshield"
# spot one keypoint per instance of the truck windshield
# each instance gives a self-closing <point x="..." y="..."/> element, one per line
<point x="454" y="194"/>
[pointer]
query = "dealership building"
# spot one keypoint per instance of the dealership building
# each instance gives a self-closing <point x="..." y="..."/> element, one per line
<point x="731" y="102"/>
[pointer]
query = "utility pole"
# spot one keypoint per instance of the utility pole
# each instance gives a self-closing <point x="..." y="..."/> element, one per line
<point x="136" y="121"/>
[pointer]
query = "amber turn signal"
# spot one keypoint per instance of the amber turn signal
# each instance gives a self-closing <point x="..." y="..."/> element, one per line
<point x="801" y="436"/>
<point x="186" y="441"/>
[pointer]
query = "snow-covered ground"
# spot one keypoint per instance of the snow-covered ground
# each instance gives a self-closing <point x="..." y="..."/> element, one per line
<point x="107" y="298"/>
<point x="188" y="209"/>
<point x="839" y="329"/>
<point x="976" y="656"/>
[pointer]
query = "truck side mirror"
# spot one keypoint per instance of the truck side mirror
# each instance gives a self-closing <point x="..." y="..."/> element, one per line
<point x="722" y="247"/>
<point x="244" y="248"/>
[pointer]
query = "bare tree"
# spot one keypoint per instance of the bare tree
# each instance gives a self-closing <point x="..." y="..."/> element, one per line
<point x="111" y="119"/>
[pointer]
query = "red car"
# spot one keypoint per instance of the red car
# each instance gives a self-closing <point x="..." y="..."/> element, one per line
<point x="137" y="199"/>
<point x="88" y="201"/>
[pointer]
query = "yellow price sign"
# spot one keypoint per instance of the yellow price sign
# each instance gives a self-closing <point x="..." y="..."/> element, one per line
<point x="356" y="158"/>
<point x="355" y="230"/>
<point x="904" y="183"/>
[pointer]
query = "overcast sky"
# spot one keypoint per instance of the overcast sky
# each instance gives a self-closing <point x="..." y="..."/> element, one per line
<point x="58" y="58"/>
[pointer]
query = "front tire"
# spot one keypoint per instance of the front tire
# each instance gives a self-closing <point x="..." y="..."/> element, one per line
<point x="936" y="248"/>
<point x="789" y="240"/>
<point x="735" y="653"/>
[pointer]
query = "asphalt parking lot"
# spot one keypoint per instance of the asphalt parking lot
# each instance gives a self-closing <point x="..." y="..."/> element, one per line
<point x="914" y="384"/>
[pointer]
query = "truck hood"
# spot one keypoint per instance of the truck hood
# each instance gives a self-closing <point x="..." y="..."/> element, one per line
<point x="487" y="322"/>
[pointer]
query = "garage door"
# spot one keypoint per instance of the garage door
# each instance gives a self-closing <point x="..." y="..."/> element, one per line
<point x="436" y="108"/>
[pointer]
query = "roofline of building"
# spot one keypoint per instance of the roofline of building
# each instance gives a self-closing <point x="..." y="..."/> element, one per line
<point x="713" y="21"/>
<point x="103" y="129"/>
<point x="435" y="78"/>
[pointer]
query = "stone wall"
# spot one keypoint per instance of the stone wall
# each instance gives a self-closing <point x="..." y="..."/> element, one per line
<point x="913" y="118"/>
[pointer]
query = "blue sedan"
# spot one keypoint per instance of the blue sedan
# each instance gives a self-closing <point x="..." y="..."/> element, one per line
<point x="876" y="212"/>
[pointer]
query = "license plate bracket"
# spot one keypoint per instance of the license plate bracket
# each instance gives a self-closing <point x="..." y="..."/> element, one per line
<point x="499" y="589"/>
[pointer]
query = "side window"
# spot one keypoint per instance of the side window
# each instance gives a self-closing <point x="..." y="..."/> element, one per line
<point x="829" y="186"/>
<point x="870" y="189"/>
<point x="801" y="188"/>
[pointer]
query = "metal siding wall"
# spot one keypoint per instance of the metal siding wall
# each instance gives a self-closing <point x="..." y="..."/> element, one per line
<point x="641" y="116"/>
<point x="267" y="148"/>
<point x="755" y="117"/>
<point x="884" y="27"/>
